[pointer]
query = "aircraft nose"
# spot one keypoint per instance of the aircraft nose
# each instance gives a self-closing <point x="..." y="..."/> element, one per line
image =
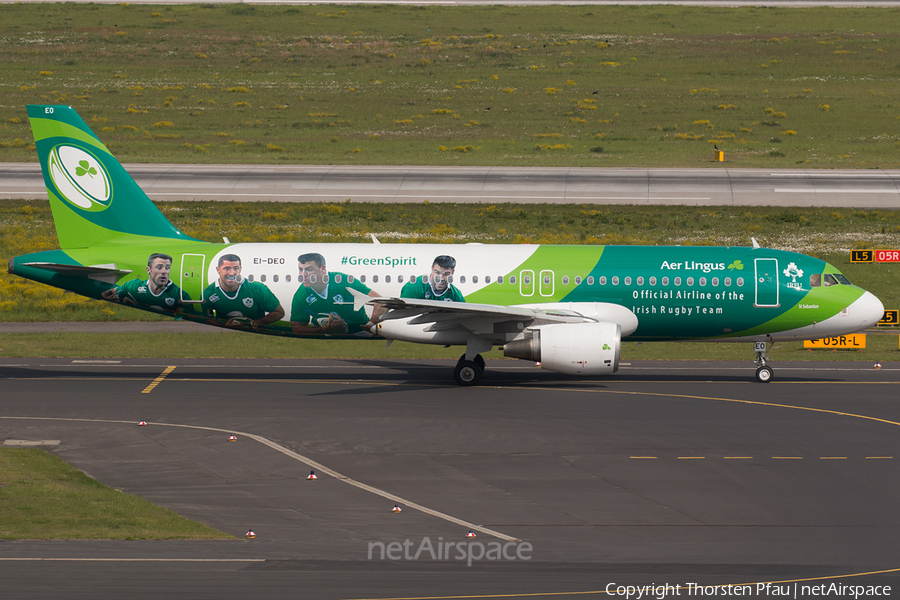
<point x="867" y="309"/>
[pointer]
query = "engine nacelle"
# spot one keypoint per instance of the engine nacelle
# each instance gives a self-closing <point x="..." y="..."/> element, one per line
<point x="403" y="330"/>
<point x="572" y="348"/>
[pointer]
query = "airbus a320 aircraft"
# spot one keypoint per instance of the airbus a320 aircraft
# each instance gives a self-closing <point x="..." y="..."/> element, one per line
<point x="567" y="307"/>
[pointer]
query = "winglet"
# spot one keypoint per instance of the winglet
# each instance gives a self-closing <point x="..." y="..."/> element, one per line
<point x="360" y="299"/>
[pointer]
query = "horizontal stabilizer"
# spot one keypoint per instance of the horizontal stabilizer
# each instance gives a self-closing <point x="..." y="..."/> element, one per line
<point x="106" y="273"/>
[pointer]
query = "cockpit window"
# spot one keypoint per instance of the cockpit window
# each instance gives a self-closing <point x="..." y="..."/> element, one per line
<point x="829" y="279"/>
<point x="815" y="280"/>
<point x="841" y="279"/>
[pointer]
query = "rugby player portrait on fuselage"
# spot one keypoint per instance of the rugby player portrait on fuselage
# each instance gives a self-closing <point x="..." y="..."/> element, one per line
<point x="158" y="292"/>
<point x="437" y="285"/>
<point x="232" y="301"/>
<point x="323" y="304"/>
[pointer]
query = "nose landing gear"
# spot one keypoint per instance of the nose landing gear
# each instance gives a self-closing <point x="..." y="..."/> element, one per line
<point x="764" y="373"/>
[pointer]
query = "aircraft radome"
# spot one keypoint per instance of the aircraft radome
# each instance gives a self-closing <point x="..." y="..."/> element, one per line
<point x="567" y="307"/>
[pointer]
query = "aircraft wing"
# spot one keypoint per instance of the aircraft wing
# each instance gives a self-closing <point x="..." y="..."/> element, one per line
<point x="458" y="313"/>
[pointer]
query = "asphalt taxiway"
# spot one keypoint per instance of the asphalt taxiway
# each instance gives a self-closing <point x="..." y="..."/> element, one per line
<point x="666" y="473"/>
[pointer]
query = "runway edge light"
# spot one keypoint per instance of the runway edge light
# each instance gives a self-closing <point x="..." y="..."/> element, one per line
<point x="471" y="534"/>
<point x="396" y="508"/>
<point x="312" y="476"/>
<point x="877" y="365"/>
<point x="232" y="438"/>
<point x="250" y="534"/>
<point x="142" y="424"/>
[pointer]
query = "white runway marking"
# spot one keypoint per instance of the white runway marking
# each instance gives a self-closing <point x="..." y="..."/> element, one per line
<point x="835" y="191"/>
<point x="451" y="198"/>
<point x="167" y="560"/>
<point x="320" y="468"/>
<point x="30" y="443"/>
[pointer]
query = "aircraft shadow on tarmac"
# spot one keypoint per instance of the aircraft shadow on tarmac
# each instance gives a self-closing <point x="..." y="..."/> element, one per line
<point x="417" y="373"/>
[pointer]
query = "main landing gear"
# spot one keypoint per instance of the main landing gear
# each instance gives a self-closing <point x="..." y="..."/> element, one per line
<point x="468" y="372"/>
<point x="764" y="372"/>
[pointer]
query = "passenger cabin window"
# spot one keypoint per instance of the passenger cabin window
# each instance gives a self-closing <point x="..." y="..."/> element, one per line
<point x="374" y="278"/>
<point x="362" y="278"/>
<point x="590" y="280"/>
<point x="474" y="279"/>
<point x="349" y="278"/>
<point x="690" y="281"/>
<point x="487" y="279"/>
<point x="274" y="278"/>
<point x="262" y="278"/>
<point x="652" y="281"/>
<point x="337" y="278"/>
<point x="615" y="280"/>
<point x="512" y="280"/>
<point x="665" y="281"/>
<point x="462" y="279"/>
<point x="399" y="278"/>
<point x="715" y="281"/>
<point x="387" y="278"/>
<point x="602" y="280"/>
<point x="728" y="282"/>
<point x="412" y="278"/>
<point x="740" y="282"/>
<point x="250" y="278"/>
<point x="565" y="280"/>
<point x="500" y="279"/>
<point x="703" y="281"/>
<point x="287" y="278"/>
<point x="628" y="281"/>
<point x="578" y="280"/>
<point x="640" y="280"/>
<point x="678" y="281"/>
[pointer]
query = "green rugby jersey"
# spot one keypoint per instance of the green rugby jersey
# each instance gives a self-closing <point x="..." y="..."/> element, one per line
<point x="251" y="300"/>
<point x="422" y="290"/>
<point x="139" y="291"/>
<point x="308" y="305"/>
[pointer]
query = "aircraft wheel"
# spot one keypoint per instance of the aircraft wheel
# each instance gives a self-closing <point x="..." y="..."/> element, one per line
<point x="764" y="374"/>
<point x="467" y="372"/>
<point x="478" y="360"/>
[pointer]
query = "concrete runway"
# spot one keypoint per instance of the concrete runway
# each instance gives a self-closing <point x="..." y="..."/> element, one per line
<point x="666" y="473"/>
<point x="523" y="185"/>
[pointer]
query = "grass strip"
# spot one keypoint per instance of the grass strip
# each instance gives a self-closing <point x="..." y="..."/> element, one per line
<point x="880" y="346"/>
<point x="491" y="85"/>
<point x="42" y="497"/>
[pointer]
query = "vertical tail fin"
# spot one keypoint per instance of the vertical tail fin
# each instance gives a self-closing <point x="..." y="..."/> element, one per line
<point x="93" y="198"/>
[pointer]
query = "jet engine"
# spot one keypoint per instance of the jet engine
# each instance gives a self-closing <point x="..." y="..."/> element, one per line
<point x="571" y="348"/>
